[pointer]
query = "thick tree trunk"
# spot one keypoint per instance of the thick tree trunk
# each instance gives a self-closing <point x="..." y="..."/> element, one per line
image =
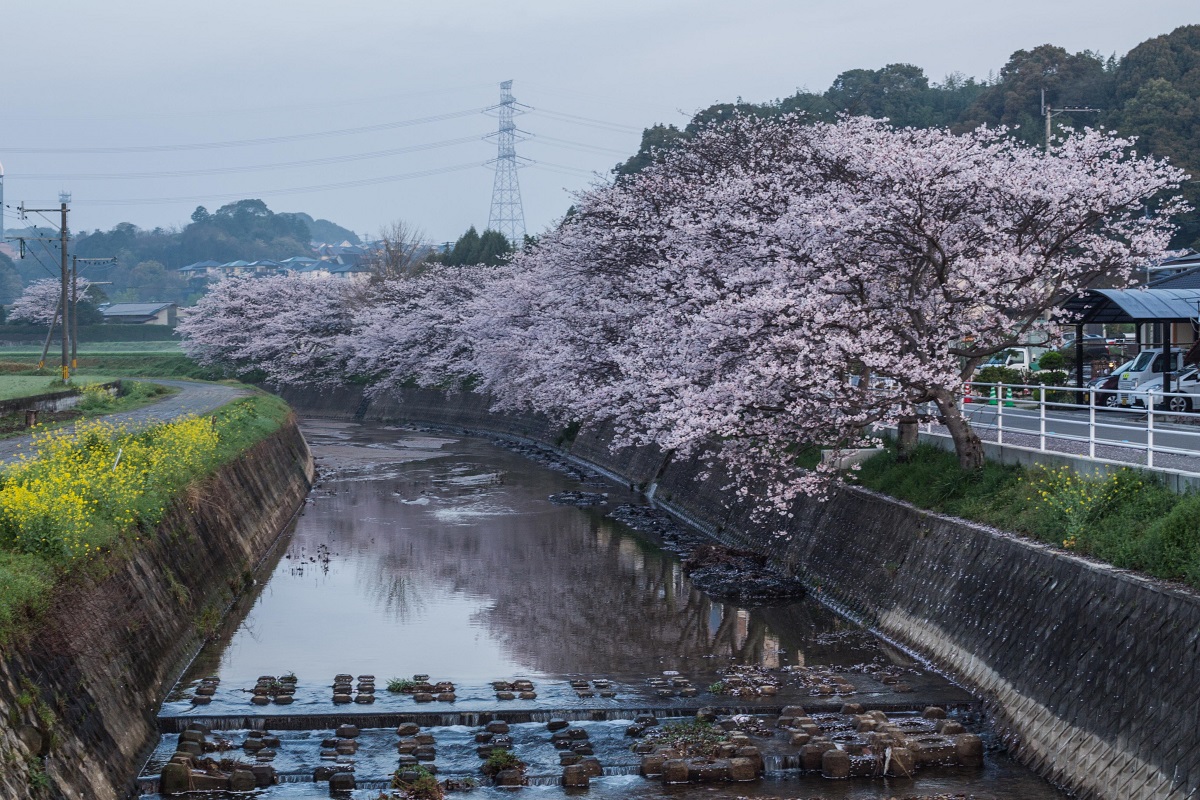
<point x="966" y="443"/>
<point x="906" y="437"/>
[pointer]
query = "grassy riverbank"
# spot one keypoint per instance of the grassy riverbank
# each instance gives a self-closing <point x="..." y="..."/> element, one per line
<point x="85" y="493"/>
<point x="101" y="365"/>
<point x="1128" y="520"/>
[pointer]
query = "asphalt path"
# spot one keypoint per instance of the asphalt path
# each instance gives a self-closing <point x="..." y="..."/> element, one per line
<point x="192" y="398"/>
<point x="1121" y="435"/>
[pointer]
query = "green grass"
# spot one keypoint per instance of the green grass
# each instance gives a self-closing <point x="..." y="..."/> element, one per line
<point x="25" y="583"/>
<point x="86" y="349"/>
<point x="109" y="365"/>
<point x="1129" y="519"/>
<point x="29" y="573"/>
<point x="14" y="386"/>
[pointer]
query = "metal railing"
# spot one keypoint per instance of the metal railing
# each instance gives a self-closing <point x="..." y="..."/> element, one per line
<point x="1081" y="421"/>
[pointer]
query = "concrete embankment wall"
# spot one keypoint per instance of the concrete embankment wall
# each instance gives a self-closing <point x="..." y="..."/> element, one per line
<point x="78" y="698"/>
<point x="1089" y="673"/>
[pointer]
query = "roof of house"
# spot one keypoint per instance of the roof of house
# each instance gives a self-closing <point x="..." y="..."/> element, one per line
<point x="134" y="309"/>
<point x="199" y="265"/>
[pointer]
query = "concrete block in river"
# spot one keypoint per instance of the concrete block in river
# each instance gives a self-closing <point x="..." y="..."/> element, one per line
<point x="705" y="771"/>
<point x="264" y="775"/>
<point x="497" y="726"/>
<point x="510" y="777"/>
<point x="811" y="755"/>
<point x="242" y="780"/>
<point x="899" y="762"/>
<point x="191" y="748"/>
<point x="835" y="764"/>
<point x="341" y="782"/>
<point x="652" y="765"/>
<point x="742" y="769"/>
<point x="175" y="779"/>
<point x="968" y="749"/>
<point x="408" y="729"/>
<point x="675" y="770"/>
<point x="575" y="776"/>
<point x="592" y="765"/>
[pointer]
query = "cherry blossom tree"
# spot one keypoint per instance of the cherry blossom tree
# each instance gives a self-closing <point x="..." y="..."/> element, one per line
<point x="415" y="328"/>
<point x="38" y="304"/>
<point x="726" y="293"/>
<point x="288" y="328"/>
<point x="727" y="296"/>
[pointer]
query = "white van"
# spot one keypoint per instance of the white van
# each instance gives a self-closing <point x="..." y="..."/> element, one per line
<point x="1016" y="357"/>
<point x="1146" y="367"/>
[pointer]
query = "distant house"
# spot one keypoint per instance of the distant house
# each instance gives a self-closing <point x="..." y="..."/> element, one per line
<point x="348" y="271"/>
<point x="141" y="314"/>
<point x="201" y="269"/>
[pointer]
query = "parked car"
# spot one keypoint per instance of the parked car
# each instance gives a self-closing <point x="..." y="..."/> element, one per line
<point x="1016" y="358"/>
<point x="1147" y="366"/>
<point x="1185" y="391"/>
<point x="1106" y="387"/>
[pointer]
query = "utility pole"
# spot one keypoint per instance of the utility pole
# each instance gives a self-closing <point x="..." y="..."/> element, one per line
<point x="64" y="198"/>
<point x="1050" y="113"/>
<point x="63" y="238"/>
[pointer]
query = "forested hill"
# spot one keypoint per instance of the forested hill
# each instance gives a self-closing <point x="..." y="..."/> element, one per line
<point x="147" y="261"/>
<point x="1152" y="92"/>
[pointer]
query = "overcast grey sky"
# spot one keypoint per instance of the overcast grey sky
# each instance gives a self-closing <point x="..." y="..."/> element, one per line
<point x="88" y="74"/>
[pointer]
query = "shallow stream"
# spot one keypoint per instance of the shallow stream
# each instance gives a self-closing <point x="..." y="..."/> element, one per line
<point x="441" y="555"/>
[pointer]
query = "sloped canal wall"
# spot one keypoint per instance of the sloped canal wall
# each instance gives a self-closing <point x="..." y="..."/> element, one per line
<point x="78" y="698"/>
<point x="1088" y="672"/>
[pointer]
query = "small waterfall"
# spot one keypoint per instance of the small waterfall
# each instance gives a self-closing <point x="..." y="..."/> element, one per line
<point x="623" y="769"/>
<point x="543" y="780"/>
<point x="777" y="765"/>
<point x="430" y="719"/>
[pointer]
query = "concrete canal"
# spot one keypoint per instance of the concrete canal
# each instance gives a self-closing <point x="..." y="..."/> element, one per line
<point x="442" y="561"/>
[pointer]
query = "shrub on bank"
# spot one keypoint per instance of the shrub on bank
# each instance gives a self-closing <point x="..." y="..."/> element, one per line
<point x="80" y="493"/>
<point x="1128" y="519"/>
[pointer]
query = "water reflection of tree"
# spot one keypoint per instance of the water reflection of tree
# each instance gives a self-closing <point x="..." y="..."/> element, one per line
<point x="560" y="589"/>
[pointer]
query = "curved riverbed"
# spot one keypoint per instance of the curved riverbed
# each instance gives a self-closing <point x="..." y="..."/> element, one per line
<point x="428" y="553"/>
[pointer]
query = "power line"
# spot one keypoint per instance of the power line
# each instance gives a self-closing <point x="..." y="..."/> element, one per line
<point x="575" y="119"/>
<point x="254" y="168"/>
<point x="296" y="137"/>
<point x="208" y="111"/>
<point x="271" y="192"/>
<point x="554" y="142"/>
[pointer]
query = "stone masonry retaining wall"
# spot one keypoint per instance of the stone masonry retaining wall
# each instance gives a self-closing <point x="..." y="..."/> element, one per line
<point x="78" y="699"/>
<point x="1087" y="671"/>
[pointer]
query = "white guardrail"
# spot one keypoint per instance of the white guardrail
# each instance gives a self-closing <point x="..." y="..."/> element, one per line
<point x="1079" y="421"/>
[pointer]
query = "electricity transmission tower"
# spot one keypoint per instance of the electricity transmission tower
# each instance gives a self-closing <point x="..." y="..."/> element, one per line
<point x="507" y="215"/>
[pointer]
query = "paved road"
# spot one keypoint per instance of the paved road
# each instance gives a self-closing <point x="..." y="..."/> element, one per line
<point x="1120" y="435"/>
<point x="193" y="398"/>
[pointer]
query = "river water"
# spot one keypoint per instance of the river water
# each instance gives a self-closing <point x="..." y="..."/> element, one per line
<point x="438" y="554"/>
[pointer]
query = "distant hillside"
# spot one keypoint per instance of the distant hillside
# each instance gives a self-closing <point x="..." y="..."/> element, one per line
<point x="1152" y="92"/>
<point x="148" y="260"/>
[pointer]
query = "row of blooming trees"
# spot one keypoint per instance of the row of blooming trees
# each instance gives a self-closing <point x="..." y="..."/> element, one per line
<point x="726" y="294"/>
